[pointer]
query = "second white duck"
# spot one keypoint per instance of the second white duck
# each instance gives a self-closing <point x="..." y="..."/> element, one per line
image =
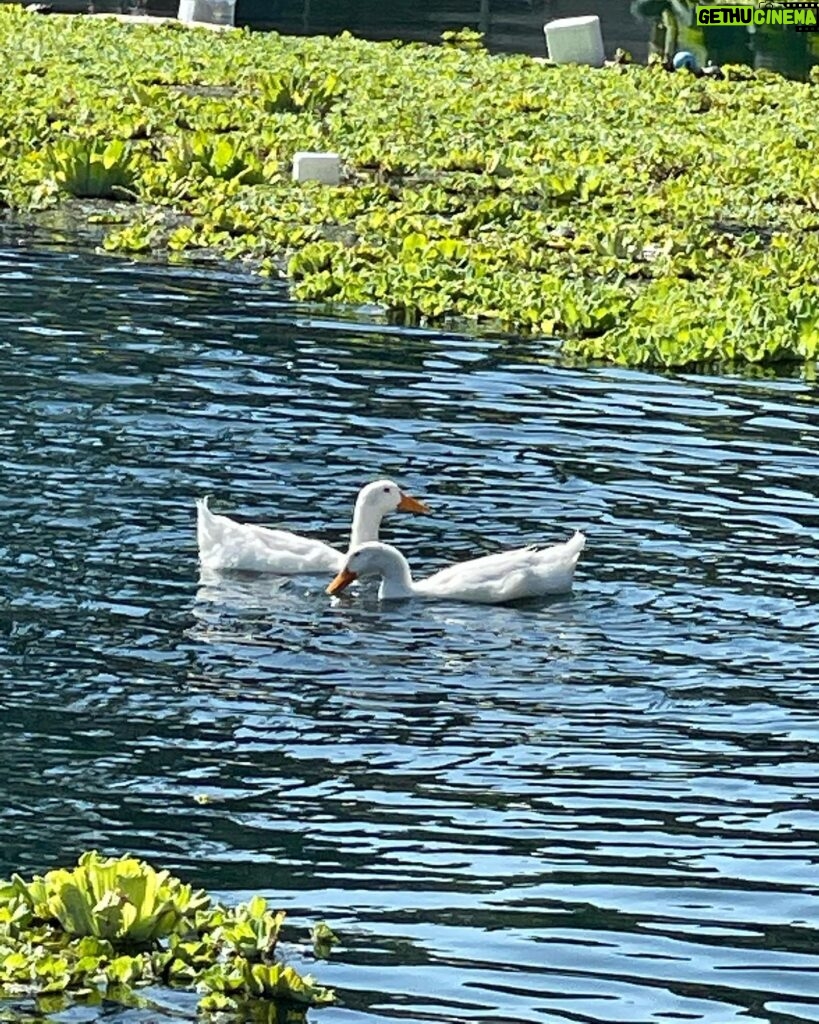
<point x="493" y="579"/>
<point x="226" y="544"/>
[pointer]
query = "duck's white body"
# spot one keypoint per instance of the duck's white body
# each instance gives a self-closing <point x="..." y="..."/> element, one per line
<point x="493" y="579"/>
<point x="226" y="544"/>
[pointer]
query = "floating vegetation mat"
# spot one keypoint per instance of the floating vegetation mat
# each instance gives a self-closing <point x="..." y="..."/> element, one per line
<point x="641" y="217"/>
<point x="107" y="927"/>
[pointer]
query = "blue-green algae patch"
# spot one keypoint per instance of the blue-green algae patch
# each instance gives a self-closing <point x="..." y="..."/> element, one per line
<point x="108" y="927"/>
<point x="641" y="217"/>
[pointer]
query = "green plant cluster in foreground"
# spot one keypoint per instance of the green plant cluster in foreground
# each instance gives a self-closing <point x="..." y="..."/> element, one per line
<point x="642" y="217"/>
<point x="107" y="926"/>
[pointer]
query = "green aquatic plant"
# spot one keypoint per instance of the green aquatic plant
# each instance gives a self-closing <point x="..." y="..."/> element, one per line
<point x="324" y="938"/>
<point x="140" y="236"/>
<point x="252" y="930"/>
<point x="124" y="900"/>
<point x="263" y="981"/>
<point x="298" y="89"/>
<point x="109" y="925"/>
<point x="215" y="157"/>
<point x="466" y="39"/>
<point x="93" y="168"/>
<point x="620" y="210"/>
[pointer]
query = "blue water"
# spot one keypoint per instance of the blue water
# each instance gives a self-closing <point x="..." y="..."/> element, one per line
<point x="600" y="809"/>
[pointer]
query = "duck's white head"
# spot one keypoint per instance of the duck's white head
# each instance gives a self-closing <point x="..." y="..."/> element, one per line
<point x="371" y="559"/>
<point x="383" y="496"/>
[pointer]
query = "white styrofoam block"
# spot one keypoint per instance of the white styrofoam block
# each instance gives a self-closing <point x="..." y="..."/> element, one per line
<point x="210" y="12"/>
<point x="575" y="40"/>
<point x="323" y="167"/>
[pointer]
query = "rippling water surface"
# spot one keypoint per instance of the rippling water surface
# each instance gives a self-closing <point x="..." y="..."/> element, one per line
<point x="594" y="809"/>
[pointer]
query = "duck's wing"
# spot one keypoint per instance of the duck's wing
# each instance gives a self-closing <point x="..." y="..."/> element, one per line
<point x="508" y="575"/>
<point x="226" y="544"/>
<point x="483" y="580"/>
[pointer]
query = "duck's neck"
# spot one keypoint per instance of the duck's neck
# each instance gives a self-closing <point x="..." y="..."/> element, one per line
<point x="396" y="577"/>
<point x="366" y="521"/>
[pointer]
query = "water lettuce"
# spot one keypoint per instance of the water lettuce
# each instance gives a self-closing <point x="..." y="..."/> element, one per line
<point x="640" y="217"/>
<point x="109" y="925"/>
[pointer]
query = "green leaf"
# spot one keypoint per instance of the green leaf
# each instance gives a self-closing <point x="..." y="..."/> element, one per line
<point x="323" y="938"/>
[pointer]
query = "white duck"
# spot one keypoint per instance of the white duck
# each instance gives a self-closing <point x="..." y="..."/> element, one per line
<point x="226" y="544"/>
<point x="493" y="579"/>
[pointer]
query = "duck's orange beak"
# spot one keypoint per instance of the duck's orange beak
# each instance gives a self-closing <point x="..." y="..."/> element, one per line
<point x="344" y="579"/>
<point x="408" y="504"/>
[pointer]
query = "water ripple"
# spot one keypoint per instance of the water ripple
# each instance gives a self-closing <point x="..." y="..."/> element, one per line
<point x="598" y="809"/>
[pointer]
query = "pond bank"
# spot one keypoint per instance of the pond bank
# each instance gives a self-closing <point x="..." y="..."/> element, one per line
<point x="643" y="217"/>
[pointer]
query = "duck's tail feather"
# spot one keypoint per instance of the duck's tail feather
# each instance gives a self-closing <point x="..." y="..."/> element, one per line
<point x="556" y="568"/>
<point x="574" y="546"/>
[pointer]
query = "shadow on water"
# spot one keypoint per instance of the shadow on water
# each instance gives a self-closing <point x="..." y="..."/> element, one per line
<point x="599" y="808"/>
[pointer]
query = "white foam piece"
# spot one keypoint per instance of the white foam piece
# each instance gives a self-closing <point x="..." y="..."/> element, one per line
<point x="323" y="167"/>
<point x="575" y="40"/>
